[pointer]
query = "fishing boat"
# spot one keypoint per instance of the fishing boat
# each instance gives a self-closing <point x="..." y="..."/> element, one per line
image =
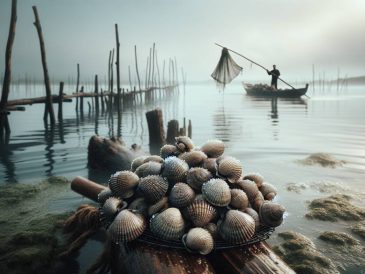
<point x="268" y="91"/>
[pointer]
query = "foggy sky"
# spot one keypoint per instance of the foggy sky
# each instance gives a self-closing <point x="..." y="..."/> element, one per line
<point x="291" y="34"/>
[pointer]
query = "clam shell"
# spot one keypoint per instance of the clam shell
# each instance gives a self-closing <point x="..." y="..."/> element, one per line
<point x="256" y="177"/>
<point x="253" y="213"/>
<point x="239" y="199"/>
<point x="230" y="169"/>
<point x="111" y="207"/>
<point x="169" y="150"/>
<point x="153" y="187"/>
<point x="199" y="240"/>
<point x="210" y="164"/>
<point x="126" y="227"/>
<point x="149" y="168"/>
<point x="184" y="143"/>
<point x="271" y="214"/>
<point x="213" y="229"/>
<point x="193" y="158"/>
<point x="197" y="176"/>
<point x="216" y="192"/>
<point x="140" y="205"/>
<point x="237" y="227"/>
<point x="137" y="162"/>
<point x="213" y="148"/>
<point x="200" y="213"/>
<point x="258" y="201"/>
<point x="123" y="183"/>
<point x="158" y="207"/>
<point x="168" y="225"/>
<point x="103" y="195"/>
<point x="268" y="191"/>
<point x="175" y="170"/>
<point x="181" y="195"/>
<point x="249" y="187"/>
<point x="153" y="158"/>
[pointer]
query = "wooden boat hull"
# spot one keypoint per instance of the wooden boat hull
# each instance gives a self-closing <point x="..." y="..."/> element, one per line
<point x="267" y="91"/>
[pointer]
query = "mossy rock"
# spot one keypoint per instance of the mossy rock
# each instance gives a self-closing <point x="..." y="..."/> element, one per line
<point x="322" y="159"/>
<point x="335" y="207"/>
<point x="359" y="229"/>
<point x="338" y="238"/>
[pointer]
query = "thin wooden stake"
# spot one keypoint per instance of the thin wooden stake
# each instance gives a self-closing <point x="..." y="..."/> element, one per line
<point x="77" y="86"/>
<point x="135" y="56"/>
<point x="60" y="102"/>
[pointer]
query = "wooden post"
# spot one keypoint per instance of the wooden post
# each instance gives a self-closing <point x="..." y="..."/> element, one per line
<point x="49" y="106"/>
<point x="111" y="79"/>
<point x="190" y="130"/>
<point x="149" y="68"/>
<point x="135" y="57"/>
<point x="110" y="57"/>
<point x="77" y="86"/>
<point x="155" y="128"/>
<point x="96" y="94"/>
<point x="129" y="77"/>
<point x="153" y="64"/>
<point x="60" y="102"/>
<point x="172" y="131"/>
<point x="4" y="122"/>
<point x="82" y="100"/>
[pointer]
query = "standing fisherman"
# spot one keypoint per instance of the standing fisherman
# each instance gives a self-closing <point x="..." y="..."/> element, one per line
<point x="275" y="73"/>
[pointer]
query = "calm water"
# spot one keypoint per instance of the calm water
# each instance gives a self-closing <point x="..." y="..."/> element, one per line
<point x="267" y="135"/>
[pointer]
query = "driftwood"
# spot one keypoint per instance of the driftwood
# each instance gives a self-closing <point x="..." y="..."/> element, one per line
<point x="137" y="257"/>
<point x="37" y="100"/>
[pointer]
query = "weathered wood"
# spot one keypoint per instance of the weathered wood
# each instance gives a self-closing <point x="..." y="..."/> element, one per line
<point x="82" y="100"/>
<point x="155" y="127"/>
<point x="60" y="101"/>
<point x="190" y="130"/>
<point x="77" y="86"/>
<point x="96" y="93"/>
<point x="117" y="61"/>
<point x="86" y="188"/>
<point x="37" y="100"/>
<point x="13" y="108"/>
<point x="49" y="106"/>
<point x="136" y="61"/>
<point x="172" y="131"/>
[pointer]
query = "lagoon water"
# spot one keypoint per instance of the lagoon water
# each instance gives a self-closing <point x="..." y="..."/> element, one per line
<point x="268" y="136"/>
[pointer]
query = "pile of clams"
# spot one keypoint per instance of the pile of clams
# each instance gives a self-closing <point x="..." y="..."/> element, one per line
<point x="189" y="194"/>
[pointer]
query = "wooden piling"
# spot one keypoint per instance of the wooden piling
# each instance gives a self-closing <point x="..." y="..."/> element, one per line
<point x="60" y="102"/>
<point x="172" y="131"/>
<point x="82" y="100"/>
<point x="190" y="129"/>
<point x="77" y="86"/>
<point x="135" y="57"/>
<point x="155" y="127"/>
<point x="117" y="59"/>
<point x="96" y="83"/>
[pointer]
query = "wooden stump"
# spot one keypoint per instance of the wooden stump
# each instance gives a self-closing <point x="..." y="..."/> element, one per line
<point x="155" y="128"/>
<point x="172" y="131"/>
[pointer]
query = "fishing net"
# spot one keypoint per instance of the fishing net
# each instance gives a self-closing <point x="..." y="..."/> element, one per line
<point x="226" y="69"/>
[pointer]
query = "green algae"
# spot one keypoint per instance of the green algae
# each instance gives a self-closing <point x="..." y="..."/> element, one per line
<point x="359" y="229"/>
<point x="335" y="207"/>
<point x="301" y="254"/>
<point x="338" y="238"/>
<point x="322" y="159"/>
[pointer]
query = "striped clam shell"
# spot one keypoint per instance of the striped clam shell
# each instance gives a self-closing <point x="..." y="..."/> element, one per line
<point x="137" y="162"/>
<point x="111" y="208"/>
<point x="184" y="143"/>
<point x="149" y="168"/>
<point x="258" y="201"/>
<point x="123" y="183"/>
<point x="253" y="213"/>
<point x="197" y="176"/>
<point x="181" y="195"/>
<point x="200" y="213"/>
<point x="158" y="207"/>
<point x="216" y="192"/>
<point x="229" y="168"/>
<point x="175" y="169"/>
<point x="139" y="205"/>
<point x="153" y="158"/>
<point x="268" y="191"/>
<point x="255" y="177"/>
<point x="199" y="240"/>
<point x="239" y="199"/>
<point x="127" y="226"/>
<point x="169" y="150"/>
<point x="213" y="229"/>
<point x="153" y="187"/>
<point x="271" y="214"/>
<point x="210" y="164"/>
<point x="249" y="187"/>
<point x="193" y="158"/>
<point x="103" y="195"/>
<point x="168" y="225"/>
<point x="237" y="227"/>
<point x="213" y="148"/>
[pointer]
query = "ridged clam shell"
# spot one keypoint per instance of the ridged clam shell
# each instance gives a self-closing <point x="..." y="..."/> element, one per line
<point x="184" y="143"/>
<point x="253" y="213"/>
<point x="258" y="201"/>
<point x="249" y="187"/>
<point x="200" y="213"/>
<point x="169" y="150"/>
<point x="256" y="177"/>
<point x="123" y="183"/>
<point x="111" y="207"/>
<point x="103" y="195"/>
<point x="137" y="162"/>
<point x="271" y="214"/>
<point x="213" y="148"/>
<point x="237" y="227"/>
<point x="153" y="187"/>
<point x="199" y="240"/>
<point x="268" y="191"/>
<point x="239" y="199"/>
<point x="149" y="168"/>
<point x="216" y="192"/>
<point x="153" y="158"/>
<point x="126" y="227"/>
<point x="193" y="158"/>
<point x="175" y="170"/>
<point x="140" y="205"/>
<point x="213" y="229"/>
<point x="158" y="207"/>
<point x="197" y="176"/>
<point x="168" y="225"/>
<point x="181" y="195"/>
<point x="210" y="164"/>
<point x="229" y="168"/>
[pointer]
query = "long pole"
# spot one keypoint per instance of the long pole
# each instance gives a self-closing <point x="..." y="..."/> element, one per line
<point x="257" y="64"/>
<point x="135" y="56"/>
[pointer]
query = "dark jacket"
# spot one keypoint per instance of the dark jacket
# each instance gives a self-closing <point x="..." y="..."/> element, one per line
<point x="275" y="73"/>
